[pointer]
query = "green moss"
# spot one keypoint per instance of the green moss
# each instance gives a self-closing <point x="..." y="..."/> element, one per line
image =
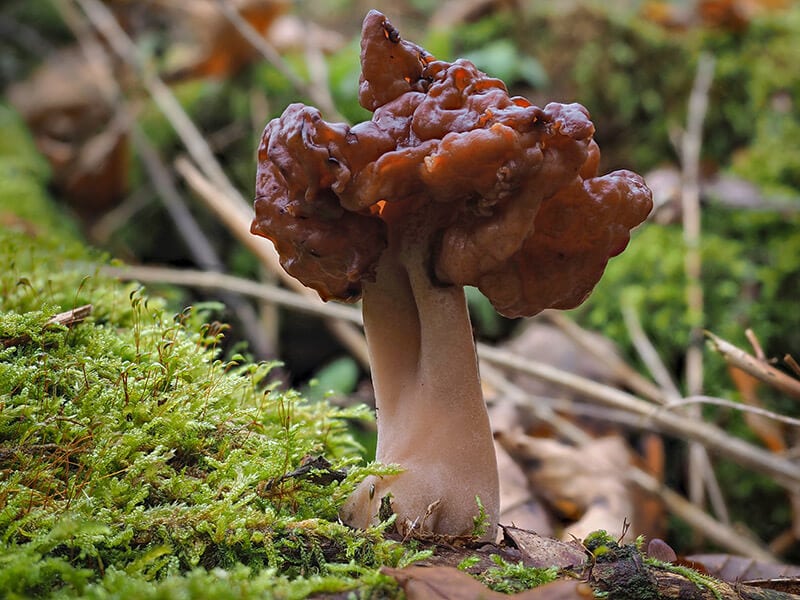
<point x="135" y="462"/>
<point x="511" y="578"/>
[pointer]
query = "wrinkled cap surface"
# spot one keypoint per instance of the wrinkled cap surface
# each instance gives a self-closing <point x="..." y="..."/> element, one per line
<point x="511" y="188"/>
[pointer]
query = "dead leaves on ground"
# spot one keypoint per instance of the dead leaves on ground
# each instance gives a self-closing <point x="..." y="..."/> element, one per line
<point x="448" y="583"/>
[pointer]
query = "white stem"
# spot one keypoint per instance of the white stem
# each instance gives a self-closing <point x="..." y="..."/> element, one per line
<point x="432" y="420"/>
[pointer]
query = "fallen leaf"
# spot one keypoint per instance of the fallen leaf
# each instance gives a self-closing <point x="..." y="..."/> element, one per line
<point x="82" y="136"/>
<point x="448" y="583"/>
<point x="541" y="551"/>
<point x="586" y="483"/>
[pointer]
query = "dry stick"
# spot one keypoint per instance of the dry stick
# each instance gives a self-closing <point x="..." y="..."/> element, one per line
<point x="630" y="376"/>
<point x="783" y="471"/>
<point x="757" y="349"/>
<point x="229" y="204"/>
<point x="68" y="318"/>
<point x="190" y="232"/>
<point x="691" y="144"/>
<point x="238" y="222"/>
<point x="789" y="360"/>
<point x="756" y="410"/>
<point x="198" y="244"/>
<point x="210" y="280"/>
<point x="718" y="532"/>
<point x="649" y="355"/>
<point x="318" y="94"/>
<point x="758" y="369"/>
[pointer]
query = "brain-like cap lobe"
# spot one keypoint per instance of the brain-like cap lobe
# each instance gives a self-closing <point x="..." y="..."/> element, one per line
<point x="512" y="188"/>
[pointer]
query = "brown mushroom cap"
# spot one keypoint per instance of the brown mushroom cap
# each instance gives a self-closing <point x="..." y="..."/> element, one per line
<point x="510" y="187"/>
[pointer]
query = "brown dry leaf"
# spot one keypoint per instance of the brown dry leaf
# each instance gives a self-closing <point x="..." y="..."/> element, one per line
<point x="518" y="506"/>
<point x="586" y="484"/>
<point x="448" y="583"/>
<point x="216" y="48"/>
<point x="440" y="583"/>
<point x="770" y="432"/>
<point x="83" y="137"/>
<point x="541" y="551"/>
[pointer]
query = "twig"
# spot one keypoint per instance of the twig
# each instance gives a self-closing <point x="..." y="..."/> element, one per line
<point x="757" y="349"/>
<point x="783" y="471"/>
<point x="756" y="410"/>
<point x="317" y="94"/>
<point x="789" y="360"/>
<point x="629" y="376"/>
<point x="68" y="318"/>
<point x="691" y="144"/>
<point x="210" y="280"/>
<point x="648" y="353"/>
<point x="718" y="532"/>
<point x="758" y="369"/>
<point x="698" y="454"/>
<point x="238" y="222"/>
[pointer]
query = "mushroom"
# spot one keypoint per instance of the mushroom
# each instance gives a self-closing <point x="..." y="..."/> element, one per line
<point x="451" y="183"/>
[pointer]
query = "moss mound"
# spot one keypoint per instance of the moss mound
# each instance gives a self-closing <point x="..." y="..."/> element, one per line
<point x="134" y="461"/>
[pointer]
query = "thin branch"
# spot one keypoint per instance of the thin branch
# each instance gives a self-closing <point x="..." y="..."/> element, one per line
<point x="318" y="94"/>
<point x="698" y="465"/>
<point x="789" y="360"/>
<point x="648" y="353"/>
<point x="691" y="145"/>
<point x="756" y="344"/>
<point x="209" y="280"/>
<point x="718" y="532"/>
<point x="68" y="318"/>
<point x="783" y="471"/>
<point x="238" y="222"/>
<point x="700" y="460"/>
<point x="758" y="369"/>
<point x="756" y="410"/>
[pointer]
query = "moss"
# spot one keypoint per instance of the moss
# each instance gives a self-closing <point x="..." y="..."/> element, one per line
<point x="511" y="578"/>
<point x="134" y="460"/>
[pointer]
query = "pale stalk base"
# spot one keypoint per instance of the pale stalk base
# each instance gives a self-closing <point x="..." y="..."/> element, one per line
<point x="432" y="420"/>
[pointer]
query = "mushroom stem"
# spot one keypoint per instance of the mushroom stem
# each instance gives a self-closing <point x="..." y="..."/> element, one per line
<point x="432" y="420"/>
